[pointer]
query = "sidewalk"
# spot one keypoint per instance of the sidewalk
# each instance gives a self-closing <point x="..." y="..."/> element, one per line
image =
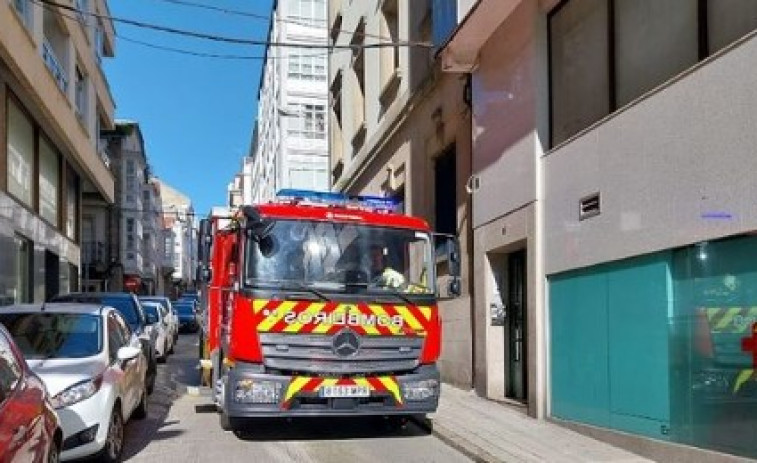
<point x="489" y="432"/>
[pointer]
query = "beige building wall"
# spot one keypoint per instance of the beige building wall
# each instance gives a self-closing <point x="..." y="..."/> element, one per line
<point x="391" y="133"/>
<point x="501" y="46"/>
<point x="21" y="47"/>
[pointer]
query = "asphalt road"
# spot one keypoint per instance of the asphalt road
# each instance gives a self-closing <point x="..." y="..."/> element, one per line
<point x="183" y="427"/>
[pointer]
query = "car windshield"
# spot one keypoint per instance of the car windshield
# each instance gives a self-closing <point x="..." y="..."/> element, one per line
<point x="54" y="335"/>
<point x="151" y="309"/>
<point x="335" y="256"/>
<point x="185" y="309"/>
<point x="125" y="305"/>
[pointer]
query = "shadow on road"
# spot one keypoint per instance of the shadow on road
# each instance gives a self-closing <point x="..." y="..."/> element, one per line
<point x="332" y="428"/>
<point x="179" y="372"/>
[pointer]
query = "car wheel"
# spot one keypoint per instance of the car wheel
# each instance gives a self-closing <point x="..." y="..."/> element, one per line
<point x="53" y="454"/>
<point x="114" y="442"/>
<point x="140" y="412"/>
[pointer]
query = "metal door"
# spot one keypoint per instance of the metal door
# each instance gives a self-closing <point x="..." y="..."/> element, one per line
<point x="517" y="371"/>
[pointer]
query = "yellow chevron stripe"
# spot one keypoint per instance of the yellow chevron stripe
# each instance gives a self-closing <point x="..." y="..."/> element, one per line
<point x="322" y="328"/>
<point x="728" y="318"/>
<point x="426" y="311"/>
<point x="275" y="316"/>
<point x="312" y="309"/>
<point x="409" y="318"/>
<point x="258" y="304"/>
<point x="742" y="378"/>
<point x="392" y="386"/>
<point x="378" y="311"/>
<point x="712" y="312"/>
<point x="362" y="382"/>
<point x="295" y="386"/>
<point x="328" y="382"/>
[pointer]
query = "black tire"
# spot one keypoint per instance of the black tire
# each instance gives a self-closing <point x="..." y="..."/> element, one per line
<point x="140" y="412"/>
<point x="225" y="420"/>
<point x="114" y="443"/>
<point x="53" y="453"/>
<point x="152" y="372"/>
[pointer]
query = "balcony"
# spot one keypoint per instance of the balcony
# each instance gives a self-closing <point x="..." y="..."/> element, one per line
<point x="53" y="64"/>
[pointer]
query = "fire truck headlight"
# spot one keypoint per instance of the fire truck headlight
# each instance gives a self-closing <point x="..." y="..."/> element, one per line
<point x="257" y="392"/>
<point x="420" y="390"/>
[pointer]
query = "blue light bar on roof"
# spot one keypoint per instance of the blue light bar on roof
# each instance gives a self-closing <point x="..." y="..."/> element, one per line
<point x="338" y="199"/>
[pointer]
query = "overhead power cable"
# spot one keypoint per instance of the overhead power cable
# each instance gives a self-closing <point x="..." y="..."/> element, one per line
<point x="264" y="17"/>
<point x="236" y="40"/>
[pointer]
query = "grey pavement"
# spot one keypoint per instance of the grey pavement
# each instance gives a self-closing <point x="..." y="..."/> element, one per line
<point x="488" y="431"/>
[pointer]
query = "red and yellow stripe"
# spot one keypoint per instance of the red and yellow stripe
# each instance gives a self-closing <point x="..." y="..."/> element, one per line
<point x="731" y="319"/>
<point x="311" y="385"/>
<point x="270" y="317"/>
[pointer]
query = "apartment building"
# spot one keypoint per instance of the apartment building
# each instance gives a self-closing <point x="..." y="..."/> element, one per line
<point x="400" y="128"/>
<point x="613" y="152"/>
<point x="290" y="149"/>
<point x="55" y="101"/>
<point x="124" y="240"/>
<point x="179" y="238"/>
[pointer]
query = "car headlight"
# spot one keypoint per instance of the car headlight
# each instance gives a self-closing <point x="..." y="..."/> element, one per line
<point x="420" y="390"/>
<point x="78" y="392"/>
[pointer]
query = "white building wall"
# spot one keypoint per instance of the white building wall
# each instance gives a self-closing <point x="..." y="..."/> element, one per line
<point x="285" y="156"/>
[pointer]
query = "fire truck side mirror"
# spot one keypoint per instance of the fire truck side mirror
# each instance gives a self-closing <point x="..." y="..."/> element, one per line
<point x="204" y="241"/>
<point x="256" y="224"/>
<point x="204" y="274"/>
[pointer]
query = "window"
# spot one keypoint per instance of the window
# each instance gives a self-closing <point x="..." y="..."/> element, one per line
<point x="116" y="337"/>
<point x="602" y="59"/>
<point x="389" y="56"/>
<point x="24" y="9"/>
<point x="307" y="67"/>
<point x="579" y="60"/>
<point x="99" y="41"/>
<point x="311" y="122"/>
<point x="82" y="9"/>
<point x="130" y="167"/>
<point x="24" y="269"/>
<point x="20" y="154"/>
<point x="728" y="21"/>
<point x="80" y="88"/>
<point x="309" y="12"/>
<point x="72" y="204"/>
<point x="358" y="88"/>
<point x="49" y="181"/>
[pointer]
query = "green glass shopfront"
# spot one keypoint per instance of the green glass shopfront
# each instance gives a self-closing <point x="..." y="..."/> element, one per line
<point x="661" y="345"/>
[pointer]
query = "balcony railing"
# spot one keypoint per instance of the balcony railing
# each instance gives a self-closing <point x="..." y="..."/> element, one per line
<point x="54" y="66"/>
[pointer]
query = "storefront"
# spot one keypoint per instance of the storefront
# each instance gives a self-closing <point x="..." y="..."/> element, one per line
<point x="661" y="345"/>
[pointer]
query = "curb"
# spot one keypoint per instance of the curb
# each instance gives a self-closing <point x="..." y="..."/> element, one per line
<point x="456" y="441"/>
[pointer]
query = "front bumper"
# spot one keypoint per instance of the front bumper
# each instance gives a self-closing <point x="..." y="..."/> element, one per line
<point x="408" y="394"/>
<point x="85" y="425"/>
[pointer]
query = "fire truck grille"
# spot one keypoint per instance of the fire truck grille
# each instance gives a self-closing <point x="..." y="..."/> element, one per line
<point x="326" y="353"/>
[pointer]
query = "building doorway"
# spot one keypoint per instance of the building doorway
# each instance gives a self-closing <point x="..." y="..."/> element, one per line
<point x="516" y="370"/>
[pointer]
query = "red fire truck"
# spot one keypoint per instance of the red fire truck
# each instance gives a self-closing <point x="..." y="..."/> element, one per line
<point x="323" y="304"/>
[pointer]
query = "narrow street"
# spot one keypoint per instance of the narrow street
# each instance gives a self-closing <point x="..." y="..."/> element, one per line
<point x="182" y="427"/>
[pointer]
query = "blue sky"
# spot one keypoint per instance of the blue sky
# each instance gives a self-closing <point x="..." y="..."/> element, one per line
<point x="196" y="113"/>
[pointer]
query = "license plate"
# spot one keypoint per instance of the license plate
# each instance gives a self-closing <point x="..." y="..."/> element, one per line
<point x="344" y="391"/>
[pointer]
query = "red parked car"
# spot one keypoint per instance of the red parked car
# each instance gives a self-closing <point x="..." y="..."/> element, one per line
<point x="29" y="428"/>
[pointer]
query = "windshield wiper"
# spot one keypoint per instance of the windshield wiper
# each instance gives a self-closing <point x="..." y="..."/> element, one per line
<point x="296" y="286"/>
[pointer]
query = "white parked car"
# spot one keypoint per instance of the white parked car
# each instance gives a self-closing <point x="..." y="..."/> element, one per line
<point x="173" y="317"/>
<point x="93" y="367"/>
<point x="157" y="321"/>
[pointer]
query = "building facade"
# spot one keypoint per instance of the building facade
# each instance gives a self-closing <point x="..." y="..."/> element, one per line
<point x="612" y="154"/>
<point x="179" y="239"/>
<point x="400" y="128"/>
<point x="55" y="100"/>
<point x="290" y="149"/>
<point x="125" y="240"/>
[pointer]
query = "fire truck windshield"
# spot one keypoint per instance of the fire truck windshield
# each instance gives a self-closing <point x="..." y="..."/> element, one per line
<point x="337" y="256"/>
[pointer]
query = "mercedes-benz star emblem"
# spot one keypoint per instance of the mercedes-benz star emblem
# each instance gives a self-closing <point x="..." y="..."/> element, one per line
<point x="346" y="343"/>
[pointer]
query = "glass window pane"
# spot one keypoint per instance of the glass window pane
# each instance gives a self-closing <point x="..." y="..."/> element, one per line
<point x="20" y="154"/>
<point x="655" y="40"/>
<point x="72" y="204"/>
<point x="579" y="67"/>
<point x="729" y="20"/>
<point x="49" y="174"/>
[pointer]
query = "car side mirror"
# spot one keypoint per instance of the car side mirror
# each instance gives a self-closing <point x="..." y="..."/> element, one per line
<point x="127" y="353"/>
